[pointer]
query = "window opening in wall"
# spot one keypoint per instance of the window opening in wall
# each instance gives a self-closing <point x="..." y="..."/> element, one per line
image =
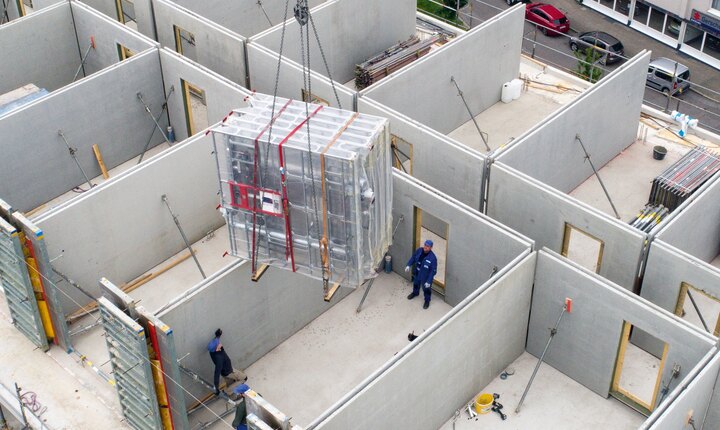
<point x="699" y="308"/>
<point x="185" y="43"/>
<point x="124" y="53"/>
<point x="427" y="226"/>
<point x="638" y="374"/>
<point x="126" y="12"/>
<point x="313" y="98"/>
<point x="195" y="108"/>
<point x="402" y="153"/>
<point x="582" y="248"/>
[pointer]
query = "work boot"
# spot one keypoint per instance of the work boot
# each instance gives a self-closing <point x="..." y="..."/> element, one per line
<point x="412" y="296"/>
<point x="426" y="305"/>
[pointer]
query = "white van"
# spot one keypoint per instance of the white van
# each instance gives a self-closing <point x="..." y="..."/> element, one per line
<point x="668" y="76"/>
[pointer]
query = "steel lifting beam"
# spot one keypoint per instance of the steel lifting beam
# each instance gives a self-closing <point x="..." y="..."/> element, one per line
<point x="483" y="135"/>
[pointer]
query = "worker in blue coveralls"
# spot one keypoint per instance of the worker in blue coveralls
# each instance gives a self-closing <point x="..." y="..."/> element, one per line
<point x="223" y="365"/>
<point x="425" y="264"/>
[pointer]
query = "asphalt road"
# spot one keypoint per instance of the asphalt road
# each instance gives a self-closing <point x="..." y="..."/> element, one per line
<point x="702" y="102"/>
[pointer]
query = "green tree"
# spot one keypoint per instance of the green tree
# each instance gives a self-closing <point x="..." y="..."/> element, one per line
<point x="586" y="67"/>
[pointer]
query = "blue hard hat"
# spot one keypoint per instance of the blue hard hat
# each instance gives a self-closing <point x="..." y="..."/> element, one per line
<point x="240" y="389"/>
<point x="429" y="243"/>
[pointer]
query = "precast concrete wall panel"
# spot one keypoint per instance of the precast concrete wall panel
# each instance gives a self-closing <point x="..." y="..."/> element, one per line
<point x="476" y="246"/>
<point x="427" y="381"/>
<point x="221" y="95"/>
<point x="255" y="316"/>
<point x="102" y="109"/>
<point x="216" y="48"/>
<point x="457" y="172"/>
<point x="481" y="61"/>
<point x="586" y="346"/>
<point x="243" y="17"/>
<point x="106" y="7"/>
<point x="696" y="229"/>
<point x="693" y="401"/>
<point x="350" y="32"/>
<point x="606" y="119"/>
<point x="121" y="228"/>
<point x="540" y="212"/>
<point x="107" y="35"/>
<point x="28" y="46"/>
<point x="263" y="67"/>
<point x="712" y="417"/>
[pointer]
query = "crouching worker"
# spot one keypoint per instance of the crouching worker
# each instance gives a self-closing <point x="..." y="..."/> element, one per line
<point x="425" y="263"/>
<point x="223" y="365"/>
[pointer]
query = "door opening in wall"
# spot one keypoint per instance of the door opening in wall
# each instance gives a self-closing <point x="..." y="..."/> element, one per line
<point x="313" y="98"/>
<point x="195" y="108"/>
<point x="638" y="374"/>
<point x="185" y="43"/>
<point x="582" y="248"/>
<point x="699" y="308"/>
<point x="402" y="153"/>
<point x="25" y="7"/>
<point x="430" y="227"/>
<point x="124" y="53"/>
<point x="126" y="12"/>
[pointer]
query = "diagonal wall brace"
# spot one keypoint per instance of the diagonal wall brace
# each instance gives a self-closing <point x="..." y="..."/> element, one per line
<point x="587" y="157"/>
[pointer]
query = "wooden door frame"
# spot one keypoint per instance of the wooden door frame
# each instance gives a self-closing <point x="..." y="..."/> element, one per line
<point x="186" y="87"/>
<point x="684" y="286"/>
<point x="566" y="244"/>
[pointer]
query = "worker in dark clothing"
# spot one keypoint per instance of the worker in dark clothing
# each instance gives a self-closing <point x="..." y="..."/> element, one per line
<point x="425" y="264"/>
<point x="223" y="365"/>
<point x="240" y="421"/>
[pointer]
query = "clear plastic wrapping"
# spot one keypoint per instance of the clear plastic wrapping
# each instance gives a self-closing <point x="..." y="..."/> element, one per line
<point x="306" y="204"/>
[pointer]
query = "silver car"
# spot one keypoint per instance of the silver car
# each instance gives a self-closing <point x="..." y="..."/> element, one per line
<point x="668" y="76"/>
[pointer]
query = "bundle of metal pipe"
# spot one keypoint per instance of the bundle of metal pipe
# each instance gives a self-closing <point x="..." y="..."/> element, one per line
<point x="392" y="59"/>
<point x="680" y="180"/>
<point x="649" y="217"/>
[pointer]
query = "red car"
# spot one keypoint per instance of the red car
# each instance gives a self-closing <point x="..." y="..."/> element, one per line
<point x="550" y="20"/>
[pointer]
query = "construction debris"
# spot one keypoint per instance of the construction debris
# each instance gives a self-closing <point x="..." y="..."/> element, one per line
<point x="392" y="59"/>
<point x="673" y="186"/>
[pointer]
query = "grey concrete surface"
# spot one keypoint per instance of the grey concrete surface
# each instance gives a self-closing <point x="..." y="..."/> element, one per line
<point x="254" y="317"/>
<point x="585" y="347"/>
<point x="540" y="212"/>
<point x="121" y="228"/>
<point x="107" y="34"/>
<point x="216" y="48"/>
<point x="350" y="33"/>
<point x="695" y="229"/>
<point x="83" y="113"/>
<point x="549" y="151"/>
<point x="470" y="233"/>
<point x="437" y="373"/>
<point x="457" y="173"/>
<point x="263" y="65"/>
<point x="221" y="95"/>
<point x="45" y="37"/>
<point x="712" y="416"/>
<point x="464" y="58"/>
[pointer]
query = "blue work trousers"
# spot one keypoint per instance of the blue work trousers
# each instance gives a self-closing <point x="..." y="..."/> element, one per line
<point x="427" y="292"/>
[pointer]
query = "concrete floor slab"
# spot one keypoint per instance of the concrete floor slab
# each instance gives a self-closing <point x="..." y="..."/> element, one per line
<point x="339" y="349"/>
<point x="554" y="402"/>
<point x="639" y="373"/>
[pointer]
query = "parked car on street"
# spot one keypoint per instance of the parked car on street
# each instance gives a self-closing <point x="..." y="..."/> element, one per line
<point x="668" y="76"/>
<point x="549" y="19"/>
<point x="512" y="2"/>
<point x="610" y="47"/>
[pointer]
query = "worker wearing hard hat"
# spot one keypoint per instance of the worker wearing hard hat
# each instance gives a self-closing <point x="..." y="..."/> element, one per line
<point x="425" y="264"/>
<point x="240" y="421"/>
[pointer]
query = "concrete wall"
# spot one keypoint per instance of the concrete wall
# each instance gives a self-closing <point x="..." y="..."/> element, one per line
<point x="712" y="417"/>
<point x="107" y="33"/>
<point x="693" y="401"/>
<point x="143" y="13"/>
<point x="350" y="31"/>
<point x="481" y="61"/>
<point x="696" y="230"/>
<point x="121" y="228"/>
<point x="102" y="109"/>
<point x="476" y="244"/>
<point x="457" y="173"/>
<point x="263" y="66"/>
<point x="221" y="95"/>
<point x="440" y="371"/>
<point x="216" y="48"/>
<point x="541" y="212"/>
<point x="47" y="37"/>
<point x="606" y="118"/>
<point x="243" y="17"/>
<point x="255" y="316"/>
<point x="586" y="346"/>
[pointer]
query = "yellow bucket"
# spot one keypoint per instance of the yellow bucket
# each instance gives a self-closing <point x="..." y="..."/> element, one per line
<point x="483" y="403"/>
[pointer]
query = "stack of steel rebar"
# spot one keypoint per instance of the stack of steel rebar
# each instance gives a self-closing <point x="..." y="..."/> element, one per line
<point x="649" y="217"/>
<point x="392" y="59"/>
<point x="680" y="180"/>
